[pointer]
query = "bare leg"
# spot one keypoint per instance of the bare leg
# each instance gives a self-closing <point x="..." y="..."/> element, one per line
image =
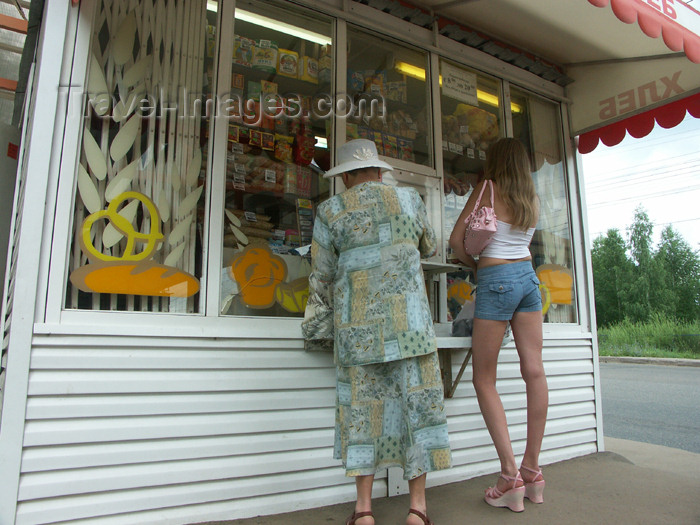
<point x="416" y="489"/>
<point x="363" y="484"/>
<point x="487" y="337"/>
<point x="527" y="332"/>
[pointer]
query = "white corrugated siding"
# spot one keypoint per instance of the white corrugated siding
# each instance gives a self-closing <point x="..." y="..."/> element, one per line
<point x="182" y="430"/>
<point x="119" y="425"/>
<point x="571" y="422"/>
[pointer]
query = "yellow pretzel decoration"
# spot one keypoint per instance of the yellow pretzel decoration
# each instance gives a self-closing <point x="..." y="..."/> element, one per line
<point x="124" y="227"/>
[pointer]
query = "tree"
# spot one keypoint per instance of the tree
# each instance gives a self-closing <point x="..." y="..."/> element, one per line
<point x="647" y="290"/>
<point x="682" y="274"/>
<point x="612" y="277"/>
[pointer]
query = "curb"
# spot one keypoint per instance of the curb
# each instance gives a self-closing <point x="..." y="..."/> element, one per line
<point x="649" y="360"/>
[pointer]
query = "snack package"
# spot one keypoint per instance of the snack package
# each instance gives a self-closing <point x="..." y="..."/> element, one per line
<point x="256" y="138"/>
<point x="356" y="80"/>
<point x="288" y="63"/>
<point x="304" y="148"/>
<point x="290" y="178"/>
<point x="243" y="51"/>
<point x="265" y="56"/>
<point x="254" y="90"/>
<point x="233" y="134"/>
<point x="237" y="83"/>
<point x="325" y="68"/>
<point x="284" y="148"/>
<point x="352" y="131"/>
<point x="406" y="150"/>
<point x="268" y="141"/>
<point x="268" y="88"/>
<point x="377" y="138"/>
<point x="309" y="70"/>
<point x="391" y="146"/>
<point x="304" y="182"/>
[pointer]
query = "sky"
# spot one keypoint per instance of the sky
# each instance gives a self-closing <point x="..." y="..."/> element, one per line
<point x="660" y="172"/>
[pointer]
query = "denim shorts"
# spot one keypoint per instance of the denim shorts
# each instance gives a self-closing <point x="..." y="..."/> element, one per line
<point x="504" y="289"/>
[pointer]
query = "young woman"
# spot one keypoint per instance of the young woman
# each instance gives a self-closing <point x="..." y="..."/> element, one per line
<point x="508" y="291"/>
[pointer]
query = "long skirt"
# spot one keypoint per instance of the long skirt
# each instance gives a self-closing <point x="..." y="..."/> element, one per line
<point x="392" y="415"/>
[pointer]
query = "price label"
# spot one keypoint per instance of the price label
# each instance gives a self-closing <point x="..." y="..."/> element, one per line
<point x="250" y="216"/>
<point x="239" y="168"/>
<point x="482" y="154"/>
<point x="239" y="178"/>
<point x="270" y="176"/>
<point x="470" y="153"/>
<point x="238" y="186"/>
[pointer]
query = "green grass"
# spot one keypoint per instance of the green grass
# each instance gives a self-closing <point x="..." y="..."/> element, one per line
<point x="658" y="337"/>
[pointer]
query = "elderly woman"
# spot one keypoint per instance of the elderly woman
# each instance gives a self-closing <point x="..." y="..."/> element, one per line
<point x="367" y="293"/>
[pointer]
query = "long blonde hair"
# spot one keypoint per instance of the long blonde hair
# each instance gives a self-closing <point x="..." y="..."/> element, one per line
<point x="508" y="165"/>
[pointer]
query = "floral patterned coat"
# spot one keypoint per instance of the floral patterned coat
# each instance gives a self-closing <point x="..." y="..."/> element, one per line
<point x="366" y="288"/>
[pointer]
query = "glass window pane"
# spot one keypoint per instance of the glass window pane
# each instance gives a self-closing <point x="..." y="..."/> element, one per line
<point x="536" y="122"/>
<point x="471" y="122"/>
<point x="137" y="241"/>
<point x="388" y="88"/>
<point x="278" y="148"/>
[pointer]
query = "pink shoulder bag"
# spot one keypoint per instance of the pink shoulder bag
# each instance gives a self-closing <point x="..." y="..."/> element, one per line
<point x="481" y="225"/>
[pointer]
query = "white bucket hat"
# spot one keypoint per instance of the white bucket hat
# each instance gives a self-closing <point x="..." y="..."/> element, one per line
<point x="356" y="154"/>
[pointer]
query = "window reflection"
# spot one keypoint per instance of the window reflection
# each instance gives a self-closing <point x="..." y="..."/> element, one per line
<point x="538" y="126"/>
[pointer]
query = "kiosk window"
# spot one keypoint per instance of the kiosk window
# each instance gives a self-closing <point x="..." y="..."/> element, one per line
<point x="279" y="144"/>
<point x="139" y="206"/>
<point x="538" y="125"/>
<point x="386" y="83"/>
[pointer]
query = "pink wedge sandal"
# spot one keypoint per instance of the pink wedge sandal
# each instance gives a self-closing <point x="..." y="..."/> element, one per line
<point x="535" y="488"/>
<point x="511" y="498"/>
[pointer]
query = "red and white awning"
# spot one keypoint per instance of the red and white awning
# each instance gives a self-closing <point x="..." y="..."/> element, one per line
<point x="640" y="125"/>
<point x="675" y="20"/>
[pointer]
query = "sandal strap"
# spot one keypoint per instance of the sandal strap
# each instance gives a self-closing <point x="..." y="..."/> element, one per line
<point x="357" y="515"/>
<point x="514" y="479"/>
<point x="426" y="520"/>
<point x="538" y="473"/>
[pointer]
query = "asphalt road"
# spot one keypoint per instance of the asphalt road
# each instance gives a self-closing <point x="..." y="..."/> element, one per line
<point x="656" y="404"/>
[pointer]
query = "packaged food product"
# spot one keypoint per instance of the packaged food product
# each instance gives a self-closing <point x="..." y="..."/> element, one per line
<point x="268" y="88"/>
<point x="309" y="70"/>
<point x="304" y="182"/>
<point x="237" y="83"/>
<point x="406" y="150"/>
<point x="256" y="138"/>
<point x="304" y="150"/>
<point x="283" y="148"/>
<point x="391" y="146"/>
<point x="265" y="56"/>
<point x="377" y="138"/>
<point x="268" y="141"/>
<point x="290" y="179"/>
<point x="288" y="63"/>
<point x="325" y="65"/>
<point x="254" y="90"/>
<point x="243" y="51"/>
<point x="356" y="80"/>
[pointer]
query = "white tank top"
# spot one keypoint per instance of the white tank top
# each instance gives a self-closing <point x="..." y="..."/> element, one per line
<point x="509" y="243"/>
